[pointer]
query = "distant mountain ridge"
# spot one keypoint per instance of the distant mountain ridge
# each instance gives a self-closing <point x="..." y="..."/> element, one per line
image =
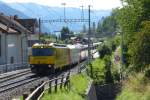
<point x="7" y="10"/>
<point x="45" y="12"/>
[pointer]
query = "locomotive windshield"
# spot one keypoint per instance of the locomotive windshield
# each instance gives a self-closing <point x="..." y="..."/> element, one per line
<point x="42" y="52"/>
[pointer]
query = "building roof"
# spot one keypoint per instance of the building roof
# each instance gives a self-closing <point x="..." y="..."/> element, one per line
<point x="30" y="24"/>
<point x="11" y="23"/>
<point x="6" y="29"/>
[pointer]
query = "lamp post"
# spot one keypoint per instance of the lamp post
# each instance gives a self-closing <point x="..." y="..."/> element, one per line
<point x="82" y="12"/>
<point x="64" y="4"/>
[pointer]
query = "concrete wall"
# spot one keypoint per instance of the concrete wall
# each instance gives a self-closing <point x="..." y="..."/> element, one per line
<point x="91" y="92"/>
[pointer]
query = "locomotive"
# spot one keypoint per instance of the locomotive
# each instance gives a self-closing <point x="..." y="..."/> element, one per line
<point x="47" y="58"/>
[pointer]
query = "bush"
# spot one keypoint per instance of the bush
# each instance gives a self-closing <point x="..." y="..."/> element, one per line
<point x="147" y="73"/>
<point x="104" y="50"/>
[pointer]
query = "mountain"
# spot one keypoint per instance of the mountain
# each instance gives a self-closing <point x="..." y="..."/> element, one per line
<point x="47" y="13"/>
<point x="7" y="10"/>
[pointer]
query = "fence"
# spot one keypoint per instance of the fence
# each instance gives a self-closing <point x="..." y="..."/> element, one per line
<point x="10" y="67"/>
<point x="37" y="93"/>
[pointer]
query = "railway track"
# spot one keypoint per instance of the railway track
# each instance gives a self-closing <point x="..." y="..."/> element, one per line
<point x="9" y="85"/>
<point x="22" y="81"/>
<point x="14" y="75"/>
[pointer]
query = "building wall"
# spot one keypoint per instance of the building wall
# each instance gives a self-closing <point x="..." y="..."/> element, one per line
<point x="13" y="48"/>
<point x="24" y="48"/>
<point x="2" y="51"/>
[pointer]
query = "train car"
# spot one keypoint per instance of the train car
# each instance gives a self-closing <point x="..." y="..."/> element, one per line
<point x="62" y="57"/>
<point x="74" y="54"/>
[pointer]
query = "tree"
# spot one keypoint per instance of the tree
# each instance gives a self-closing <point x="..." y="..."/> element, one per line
<point x="65" y="32"/>
<point x="140" y="48"/>
<point x="133" y="19"/>
<point x="108" y="26"/>
<point x="93" y="28"/>
<point x="84" y="28"/>
<point x="104" y="50"/>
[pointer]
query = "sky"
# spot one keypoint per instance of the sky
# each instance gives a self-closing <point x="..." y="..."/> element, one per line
<point x="96" y="4"/>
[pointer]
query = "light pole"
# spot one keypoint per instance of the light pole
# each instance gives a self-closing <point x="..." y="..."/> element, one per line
<point x="82" y="12"/>
<point x="64" y="4"/>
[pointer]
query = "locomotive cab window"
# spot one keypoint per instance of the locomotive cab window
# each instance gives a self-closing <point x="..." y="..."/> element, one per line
<point x="42" y="51"/>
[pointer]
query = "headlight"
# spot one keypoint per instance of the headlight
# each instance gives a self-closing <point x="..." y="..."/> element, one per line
<point x="49" y="65"/>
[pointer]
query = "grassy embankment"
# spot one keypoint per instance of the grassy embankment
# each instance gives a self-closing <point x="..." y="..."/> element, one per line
<point x="79" y="84"/>
<point x="136" y="87"/>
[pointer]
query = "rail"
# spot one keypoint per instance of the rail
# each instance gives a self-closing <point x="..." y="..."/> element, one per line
<point x="10" y="67"/>
<point x="63" y="80"/>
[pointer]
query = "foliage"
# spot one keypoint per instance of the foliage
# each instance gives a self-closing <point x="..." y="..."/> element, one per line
<point x="66" y="33"/>
<point x="48" y="37"/>
<point x="140" y="48"/>
<point x="78" y="87"/>
<point x="104" y="50"/>
<point x="117" y="40"/>
<point x="93" y="29"/>
<point x="108" y="26"/>
<point x="147" y="73"/>
<point x="108" y="47"/>
<point x="128" y="18"/>
<point x="133" y="19"/>
<point x="135" y="88"/>
<point x="97" y="67"/>
<point x="108" y="73"/>
<point x="101" y="70"/>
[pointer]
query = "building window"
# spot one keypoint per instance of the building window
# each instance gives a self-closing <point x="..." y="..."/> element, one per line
<point x="11" y="60"/>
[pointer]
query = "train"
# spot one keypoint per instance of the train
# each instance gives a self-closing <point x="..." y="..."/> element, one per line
<point x="48" y="58"/>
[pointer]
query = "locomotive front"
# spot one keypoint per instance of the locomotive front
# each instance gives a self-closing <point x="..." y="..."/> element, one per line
<point x="42" y="58"/>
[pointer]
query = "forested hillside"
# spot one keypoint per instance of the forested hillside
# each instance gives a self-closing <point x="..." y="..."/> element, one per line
<point x="132" y="23"/>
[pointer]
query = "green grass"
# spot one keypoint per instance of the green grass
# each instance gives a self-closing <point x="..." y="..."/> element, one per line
<point x="98" y="63"/>
<point x="135" y="88"/>
<point x="98" y="66"/>
<point x="79" y="84"/>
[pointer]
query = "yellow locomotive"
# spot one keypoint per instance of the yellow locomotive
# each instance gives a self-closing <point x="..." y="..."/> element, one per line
<point x="48" y="57"/>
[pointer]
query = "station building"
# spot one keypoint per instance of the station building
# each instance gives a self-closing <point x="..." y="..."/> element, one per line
<point x="13" y="44"/>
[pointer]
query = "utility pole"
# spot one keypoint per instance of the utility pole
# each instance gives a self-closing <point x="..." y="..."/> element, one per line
<point x="39" y="28"/>
<point x="89" y="43"/>
<point x="89" y="33"/>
